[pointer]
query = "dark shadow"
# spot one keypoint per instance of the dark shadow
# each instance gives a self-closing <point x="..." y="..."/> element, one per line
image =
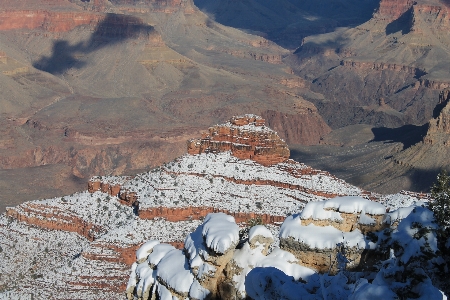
<point x="408" y="135"/>
<point x="437" y="110"/>
<point x="440" y="106"/>
<point x="403" y="88"/>
<point x="113" y="29"/>
<point x="287" y="22"/>
<point x="422" y="179"/>
<point x="403" y="23"/>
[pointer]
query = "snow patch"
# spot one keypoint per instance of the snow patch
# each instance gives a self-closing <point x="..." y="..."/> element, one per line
<point x="220" y="232"/>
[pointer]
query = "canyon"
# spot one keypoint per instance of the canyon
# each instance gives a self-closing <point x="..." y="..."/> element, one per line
<point x="116" y="87"/>
<point x="120" y="98"/>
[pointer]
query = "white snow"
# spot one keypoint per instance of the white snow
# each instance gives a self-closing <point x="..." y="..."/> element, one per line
<point x="399" y="214"/>
<point x="403" y="199"/>
<point x="316" y="211"/>
<point x="286" y="262"/>
<point x="317" y="237"/>
<point x="209" y="180"/>
<point x="367" y="291"/>
<point x="366" y="220"/>
<point x="146" y="249"/>
<point x="407" y="232"/>
<point x="197" y="291"/>
<point x="159" y="251"/>
<point x="259" y="230"/>
<point x="174" y="270"/>
<point x="220" y="232"/>
<point x="354" y="204"/>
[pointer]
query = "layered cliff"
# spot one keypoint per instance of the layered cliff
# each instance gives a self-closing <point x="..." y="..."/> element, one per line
<point x="246" y="137"/>
<point x="399" y="54"/>
<point x="391" y="10"/>
<point x="439" y="127"/>
<point x="155" y="71"/>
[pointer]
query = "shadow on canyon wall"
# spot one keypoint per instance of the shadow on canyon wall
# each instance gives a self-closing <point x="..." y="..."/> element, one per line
<point x="408" y="135"/>
<point x="287" y="22"/>
<point x="403" y="23"/>
<point x="111" y="30"/>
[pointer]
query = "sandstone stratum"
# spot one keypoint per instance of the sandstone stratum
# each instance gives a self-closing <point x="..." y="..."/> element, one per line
<point x="246" y="137"/>
<point x="64" y="245"/>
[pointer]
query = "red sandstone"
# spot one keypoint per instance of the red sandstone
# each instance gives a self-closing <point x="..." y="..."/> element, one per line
<point x="264" y="147"/>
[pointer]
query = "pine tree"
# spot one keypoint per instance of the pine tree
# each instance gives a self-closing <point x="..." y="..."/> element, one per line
<point x="440" y="191"/>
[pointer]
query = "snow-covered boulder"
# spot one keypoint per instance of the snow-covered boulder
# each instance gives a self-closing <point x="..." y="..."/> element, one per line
<point x="258" y="236"/>
<point x="346" y="214"/>
<point x="210" y="247"/>
<point x="320" y="247"/>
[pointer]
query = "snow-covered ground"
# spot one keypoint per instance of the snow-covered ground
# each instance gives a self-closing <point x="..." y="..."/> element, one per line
<point x="64" y="265"/>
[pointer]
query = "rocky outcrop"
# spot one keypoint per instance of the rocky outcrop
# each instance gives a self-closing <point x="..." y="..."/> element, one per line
<point x="432" y="84"/>
<point x="439" y="127"/>
<point x="246" y="137"/>
<point x="269" y="58"/>
<point x="212" y="266"/>
<point x="53" y="218"/>
<point x="327" y="229"/>
<point x="378" y="66"/>
<point x="392" y="9"/>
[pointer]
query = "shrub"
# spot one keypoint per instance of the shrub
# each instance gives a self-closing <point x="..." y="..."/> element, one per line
<point x="440" y="191"/>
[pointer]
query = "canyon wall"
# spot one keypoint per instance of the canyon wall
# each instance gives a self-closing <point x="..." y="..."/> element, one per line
<point x="439" y="127"/>
<point x="392" y="9"/>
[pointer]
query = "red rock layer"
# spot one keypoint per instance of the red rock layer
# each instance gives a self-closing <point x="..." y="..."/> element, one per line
<point x="53" y="218"/>
<point x="104" y="187"/>
<point x="262" y="146"/>
<point x="392" y="9"/>
<point x="175" y="214"/>
<point x="283" y="185"/>
<point x="47" y="20"/>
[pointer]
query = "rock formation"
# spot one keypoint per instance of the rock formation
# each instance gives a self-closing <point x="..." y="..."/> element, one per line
<point x="214" y="268"/>
<point x="343" y="223"/>
<point x="439" y="127"/>
<point x="246" y="137"/>
<point x="352" y="70"/>
<point x="391" y="10"/>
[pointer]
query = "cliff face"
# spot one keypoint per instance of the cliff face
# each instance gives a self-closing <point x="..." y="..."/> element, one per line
<point x="81" y="59"/>
<point x="439" y="127"/>
<point x="246" y="137"/>
<point x="392" y="9"/>
<point x="51" y="21"/>
<point x="397" y="55"/>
